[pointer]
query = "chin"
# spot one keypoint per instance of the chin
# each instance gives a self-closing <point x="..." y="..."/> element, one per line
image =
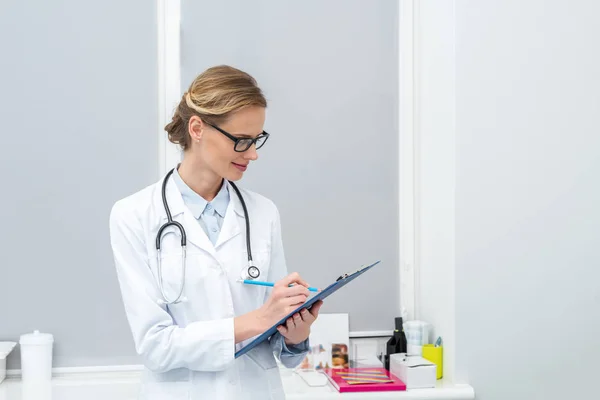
<point x="233" y="174"/>
<point x="232" y="178"/>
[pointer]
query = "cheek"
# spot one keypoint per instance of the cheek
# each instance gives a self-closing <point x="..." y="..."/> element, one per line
<point x="218" y="153"/>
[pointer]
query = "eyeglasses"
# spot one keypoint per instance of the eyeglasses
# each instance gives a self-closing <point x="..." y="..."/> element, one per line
<point x="243" y="144"/>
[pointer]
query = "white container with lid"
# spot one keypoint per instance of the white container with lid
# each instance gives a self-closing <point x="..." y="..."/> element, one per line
<point x="417" y="335"/>
<point x="5" y="349"/>
<point x="36" y="357"/>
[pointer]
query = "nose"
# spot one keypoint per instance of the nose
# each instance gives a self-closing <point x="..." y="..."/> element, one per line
<point x="251" y="153"/>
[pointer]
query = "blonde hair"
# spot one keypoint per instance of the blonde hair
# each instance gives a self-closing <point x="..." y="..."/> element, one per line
<point x="213" y="96"/>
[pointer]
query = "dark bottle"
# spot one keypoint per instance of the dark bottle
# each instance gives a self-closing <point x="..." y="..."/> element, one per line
<point x="396" y="344"/>
<point x="401" y="346"/>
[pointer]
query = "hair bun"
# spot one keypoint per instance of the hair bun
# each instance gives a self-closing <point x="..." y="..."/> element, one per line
<point x="174" y="129"/>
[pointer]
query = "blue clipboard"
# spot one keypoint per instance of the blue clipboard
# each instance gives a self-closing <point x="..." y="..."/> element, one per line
<point x="338" y="284"/>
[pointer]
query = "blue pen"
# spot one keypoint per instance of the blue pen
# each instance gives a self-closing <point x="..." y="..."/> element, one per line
<point x="263" y="283"/>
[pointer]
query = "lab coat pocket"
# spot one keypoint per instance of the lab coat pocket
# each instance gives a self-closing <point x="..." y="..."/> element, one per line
<point x="263" y="356"/>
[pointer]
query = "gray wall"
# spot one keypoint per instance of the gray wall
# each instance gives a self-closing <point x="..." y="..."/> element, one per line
<point x="527" y="198"/>
<point x="329" y="70"/>
<point x="79" y="111"/>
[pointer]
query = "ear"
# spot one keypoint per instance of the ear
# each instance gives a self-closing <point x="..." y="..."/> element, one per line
<point x="195" y="128"/>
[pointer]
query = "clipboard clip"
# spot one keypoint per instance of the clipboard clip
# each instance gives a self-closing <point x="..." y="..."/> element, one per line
<point x="346" y="275"/>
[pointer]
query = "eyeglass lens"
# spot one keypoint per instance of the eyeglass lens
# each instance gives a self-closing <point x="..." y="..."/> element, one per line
<point x="244" y="144"/>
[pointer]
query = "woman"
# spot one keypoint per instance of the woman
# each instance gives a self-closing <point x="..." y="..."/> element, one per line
<point x="188" y="322"/>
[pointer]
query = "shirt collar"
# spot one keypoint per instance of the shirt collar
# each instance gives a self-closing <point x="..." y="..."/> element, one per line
<point x="221" y="200"/>
<point x="197" y="203"/>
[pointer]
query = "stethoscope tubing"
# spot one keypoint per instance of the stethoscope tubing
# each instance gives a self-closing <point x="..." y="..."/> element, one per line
<point x="181" y="229"/>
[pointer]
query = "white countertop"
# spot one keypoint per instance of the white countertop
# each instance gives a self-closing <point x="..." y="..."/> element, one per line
<point x="123" y="386"/>
<point x="297" y="389"/>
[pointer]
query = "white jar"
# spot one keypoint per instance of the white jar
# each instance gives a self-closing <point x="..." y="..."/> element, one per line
<point x="36" y="357"/>
<point x="417" y="335"/>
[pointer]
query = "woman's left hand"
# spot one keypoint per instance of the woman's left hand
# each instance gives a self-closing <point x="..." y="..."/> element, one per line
<point x="297" y="328"/>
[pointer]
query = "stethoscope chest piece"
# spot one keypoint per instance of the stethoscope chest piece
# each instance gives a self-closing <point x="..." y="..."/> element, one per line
<point x="252" y="272"/>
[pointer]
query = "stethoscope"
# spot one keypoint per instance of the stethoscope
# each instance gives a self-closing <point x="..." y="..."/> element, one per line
<point x="251" y="272"/>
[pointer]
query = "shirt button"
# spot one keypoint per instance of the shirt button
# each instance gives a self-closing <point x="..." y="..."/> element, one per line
<point x="214" y="229"/>
<point x="208" y="206"/>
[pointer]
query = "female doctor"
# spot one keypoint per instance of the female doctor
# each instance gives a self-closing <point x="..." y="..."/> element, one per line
<point x="186" y="306"/>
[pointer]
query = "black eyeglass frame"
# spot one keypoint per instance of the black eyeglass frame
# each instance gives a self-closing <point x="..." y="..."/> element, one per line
<point x="236" y="140"/>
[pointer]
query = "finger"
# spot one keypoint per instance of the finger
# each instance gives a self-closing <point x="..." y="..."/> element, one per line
<point x="294" y="277"/>
<point x="306" y="316"/>
<point x="296" y="300"/>
<point x="291" y="325"/>
<point x="297" y="320"/>
<point x="282" y="329"/>
<point x="288" y="291"/>
<point x="295" y="290"/>
<point x="314" y="310"/>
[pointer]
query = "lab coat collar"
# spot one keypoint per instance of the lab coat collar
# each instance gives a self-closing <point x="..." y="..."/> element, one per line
<point x="234" y="217"/>
<point x="197" y="203"/>
<point x="174" y="200"/>
<point x="193" y="230"/>
<point x="177" y="205"/>
<point x="235" y="200"/>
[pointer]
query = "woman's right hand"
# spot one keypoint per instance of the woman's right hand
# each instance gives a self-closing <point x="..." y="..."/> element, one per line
<point x="284" y="298"/>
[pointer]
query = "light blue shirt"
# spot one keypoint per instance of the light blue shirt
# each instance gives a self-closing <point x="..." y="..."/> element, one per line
<point x="210" y="215"/>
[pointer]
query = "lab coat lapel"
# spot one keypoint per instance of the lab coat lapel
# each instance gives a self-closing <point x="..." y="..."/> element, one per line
<point x="234" y="218"/>
<point x="182" y="213"/>
<point x="196" y="234"/>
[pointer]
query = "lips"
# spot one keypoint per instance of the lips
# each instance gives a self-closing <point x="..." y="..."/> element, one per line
<point x="241" y="167"/>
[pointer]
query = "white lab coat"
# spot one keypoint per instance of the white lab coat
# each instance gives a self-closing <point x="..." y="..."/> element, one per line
<point x="188" y="348"/>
